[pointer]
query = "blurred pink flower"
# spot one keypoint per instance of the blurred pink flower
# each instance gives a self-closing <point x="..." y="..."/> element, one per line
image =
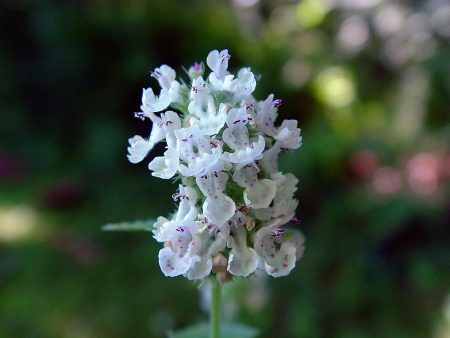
<point x="84" y="251"/>
<point x="363" y="163"/>
<point x="423" y="173"/>
<point x="387" y="180"/>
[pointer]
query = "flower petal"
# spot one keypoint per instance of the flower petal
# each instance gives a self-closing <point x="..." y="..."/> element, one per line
<point x="248" y="154"/>
<point x="243" y="260"/>
<point x="161" y="230"/>
<point x="171" y="264"/>
<point x="138" y="149"/>
<point x="165" y="166"/>
<point x="152" y="103"/>
<point x="261" y="194"/>
<point x="289" y="135"/>
<point x="283" y="262"/>
<point x="220" y="210"/>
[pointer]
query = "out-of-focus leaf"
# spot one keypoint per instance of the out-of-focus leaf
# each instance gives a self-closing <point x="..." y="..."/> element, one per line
<point x="130" y="226"/>
<point x="227" y="330"/>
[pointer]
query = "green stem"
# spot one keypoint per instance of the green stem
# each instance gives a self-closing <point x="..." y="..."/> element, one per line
<point x="215" y="309"/>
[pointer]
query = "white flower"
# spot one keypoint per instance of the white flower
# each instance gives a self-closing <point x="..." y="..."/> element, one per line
<point x="138" y="149"/>
<point x="284" y="203"/>
<point x="221" y="132"/>
<point x="261" y="194"/>
<point x="152" y="103"/>
<point x="166" y="79"/>
<point x="199" y="93"/>
<point x="208" y="121"/>
<point x="166" y="166"/>
<point x="236" y="136"/>
<point x="176" y="258"/>
<point x="169" y="123"/>
<point x="196" y="151"/>
<point x="160" y="229"/>
<point x="279" y="255"/>
<point x="245" y="150"/>
<point x="172" y="264"/>
<point x="288" y="135"/>
<point x="165" y="76"/>
<point x="187" y="211"/>
<point x="218" y="63"/>
<point x="219" y="210"/>
<point x="243" y="259"/>
<point x="220" y="79"/>
<point x="218" y="207"/>
<point x="163" y="127"/>
<point x="244" y="85"/>
<point x="266" y="114"/>
<point x="207" y="246"/>
<point x="237" y="117"/>
<point x="258" y="193"/>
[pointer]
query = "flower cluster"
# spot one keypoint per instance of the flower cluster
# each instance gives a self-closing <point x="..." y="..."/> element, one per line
<point x="223" y="145"/>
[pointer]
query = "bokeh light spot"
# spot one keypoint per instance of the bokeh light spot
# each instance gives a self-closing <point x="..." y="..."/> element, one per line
<point x="16" y="222"/>
<point x="353" y="34"/>
<point x="335" y="87"/>
<point x="423" y="173"/>
<point x="245" y="3"/>
<point x="311" y="13"/>
<point x="387" y="181"/>
<point x="296" y="72"/>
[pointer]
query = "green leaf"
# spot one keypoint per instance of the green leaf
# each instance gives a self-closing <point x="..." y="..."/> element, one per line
<point x="130" y="226"/>
<point x="227" y="330"/>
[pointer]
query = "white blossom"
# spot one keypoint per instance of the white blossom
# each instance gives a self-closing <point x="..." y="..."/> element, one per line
<point x="208" y="246"/>
<point x="284" y="204"/>
<point x="243" y="259"/>
<point x="224" y="146"/>
<point x="288" y="135"/>
<point x="244" y="84"/>
<point x="196" y="151"/>
<point x="218" y="207"/>
<point x="258" y="193"/>
<point x="138" y="149"/>
<point x="152" y="103"/>
<point x="236" y="136"/>
<point x="266" y="114"/>
<point x="278" y="254"/>
<point x="209" y="121"/>
<point x="166" y="79"/>
<point x="217" y="61"/>
<point x="175" y="259"/>
<point x="165" y="166"/>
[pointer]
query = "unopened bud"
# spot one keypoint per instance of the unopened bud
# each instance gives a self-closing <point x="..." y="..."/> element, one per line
<point x="220" y="263"/>
<point x="224" y="277"/>
<point x="249" y="223"/>
<point x="187" y="121"/>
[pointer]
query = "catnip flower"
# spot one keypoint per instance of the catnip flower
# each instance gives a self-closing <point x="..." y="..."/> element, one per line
<point x="223" y="145"/>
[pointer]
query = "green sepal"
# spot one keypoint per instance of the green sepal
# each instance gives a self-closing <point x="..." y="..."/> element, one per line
<point x="235" y="191"/>
<point x="221" y="96"/>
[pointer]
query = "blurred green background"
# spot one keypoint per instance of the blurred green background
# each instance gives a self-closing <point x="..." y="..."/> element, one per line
<point x="369" y="82"/>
